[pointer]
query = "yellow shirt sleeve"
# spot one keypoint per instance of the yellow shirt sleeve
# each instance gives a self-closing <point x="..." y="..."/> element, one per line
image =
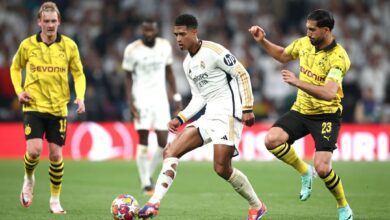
<point x="18" y="63"/>
<point x="76" y="69"/>
<point x="293" y="48"/>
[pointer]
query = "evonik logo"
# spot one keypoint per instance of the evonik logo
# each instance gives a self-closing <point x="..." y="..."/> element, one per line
<point x="310" y="74"/>
<point x="49" y="69"/>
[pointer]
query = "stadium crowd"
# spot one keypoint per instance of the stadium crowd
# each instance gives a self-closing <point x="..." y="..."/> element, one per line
<point x="103" y="28"/>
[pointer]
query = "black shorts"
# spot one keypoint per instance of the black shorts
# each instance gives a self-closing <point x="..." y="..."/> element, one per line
<point x="36" y="124"/>
<point x="324" y="128"/>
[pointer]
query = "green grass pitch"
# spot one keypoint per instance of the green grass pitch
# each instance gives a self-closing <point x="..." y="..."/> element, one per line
<point x="197" y="193"/>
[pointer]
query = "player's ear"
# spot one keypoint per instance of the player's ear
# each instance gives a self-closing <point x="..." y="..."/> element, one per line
<point x="326" y="29"/>
<point x="194" y="31"/>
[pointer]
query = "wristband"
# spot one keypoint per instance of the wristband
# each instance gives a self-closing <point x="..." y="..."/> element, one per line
<point x="247" y="111"/>
<point x="177" y="97"/>
<point x="180" y="120"/>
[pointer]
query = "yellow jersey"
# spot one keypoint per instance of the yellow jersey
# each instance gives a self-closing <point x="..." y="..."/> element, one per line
<point x="47" y="68"/>
<point x="315" y="68"/>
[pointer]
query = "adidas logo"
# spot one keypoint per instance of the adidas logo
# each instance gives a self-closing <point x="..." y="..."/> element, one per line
<point x="224" y="137"/>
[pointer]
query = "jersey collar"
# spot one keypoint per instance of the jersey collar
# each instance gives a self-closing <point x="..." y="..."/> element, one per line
<point x="200" y="45"/>
<point x="329" y="47"/>
<point x="39" y="39"/>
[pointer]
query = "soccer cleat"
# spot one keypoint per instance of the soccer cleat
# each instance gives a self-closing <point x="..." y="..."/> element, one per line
<point x="345" y="213"/>
<point x="149" y="210"/>
<point x="307" y="183"/>
<point x="26" y="196"/>
<point x="257" y="214"/>
<point x="148" y="190"/>
<point x="55" y="207"/>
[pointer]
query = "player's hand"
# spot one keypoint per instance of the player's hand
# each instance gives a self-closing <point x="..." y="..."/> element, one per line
<point x="248" y="118"/>
<point x="24" y="97"/>
<point x="81" y="106"/>
<point x="257" y="33"/>
<point x="173" y="125"/>
<point x="289" y="77"/>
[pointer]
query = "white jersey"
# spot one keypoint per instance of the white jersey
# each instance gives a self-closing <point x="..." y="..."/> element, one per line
<point x="147" y="65"/>
<point x="217" y="80"/>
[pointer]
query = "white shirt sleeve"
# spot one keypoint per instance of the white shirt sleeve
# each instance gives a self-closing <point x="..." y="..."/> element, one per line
<point x="231" y="65"/>
<point x="196" y="104"/>
<point x="128" y="61"/>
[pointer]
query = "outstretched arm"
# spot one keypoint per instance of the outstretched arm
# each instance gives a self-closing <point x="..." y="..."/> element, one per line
<point x="277" y="52"/>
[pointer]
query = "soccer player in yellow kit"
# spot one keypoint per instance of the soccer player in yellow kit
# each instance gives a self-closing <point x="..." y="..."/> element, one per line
<point x="47" y="57"/>
<point x="317" y="109"/>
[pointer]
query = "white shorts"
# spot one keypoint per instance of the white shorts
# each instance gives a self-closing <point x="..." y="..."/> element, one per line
<point x="153" y="117"/>
<point x="221" y="129"/>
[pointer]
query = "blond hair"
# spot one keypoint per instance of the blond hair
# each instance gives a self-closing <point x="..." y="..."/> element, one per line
<point x="48" y="7"/>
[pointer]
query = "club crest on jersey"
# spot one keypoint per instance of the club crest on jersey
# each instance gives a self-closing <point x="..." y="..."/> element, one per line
<point x="229" y="60"/>
<point x="27" y="129"/>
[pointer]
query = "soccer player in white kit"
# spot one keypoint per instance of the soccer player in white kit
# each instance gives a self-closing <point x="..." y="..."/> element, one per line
<point x="148" y="64"/>
<point x="219" y="82"/>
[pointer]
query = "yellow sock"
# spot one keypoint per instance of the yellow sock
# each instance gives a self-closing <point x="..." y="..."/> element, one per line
<point x="29" y="164"/>
<point x="287" y="154"/>
<point x="333" y="183"/>
<point x="56" y="171"/>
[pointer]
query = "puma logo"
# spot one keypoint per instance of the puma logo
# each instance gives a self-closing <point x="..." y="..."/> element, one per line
<point x="327" y="137"/>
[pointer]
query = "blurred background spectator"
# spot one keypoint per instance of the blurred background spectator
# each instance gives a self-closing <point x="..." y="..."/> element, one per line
<point x="102" y="29"/>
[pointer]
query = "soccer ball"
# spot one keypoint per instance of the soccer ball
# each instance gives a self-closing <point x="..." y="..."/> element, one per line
<point x="124" y="207"/>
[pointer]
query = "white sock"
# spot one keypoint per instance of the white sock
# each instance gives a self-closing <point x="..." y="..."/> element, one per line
<point x="242" y="185"/>
<point x="143" y="165"/>
<point x="54" y="199"/>
<point x="156" y="159"/>
<point x="164" y="181"/>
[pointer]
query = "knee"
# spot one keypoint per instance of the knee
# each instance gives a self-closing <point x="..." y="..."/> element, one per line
<point x="271" y="141"/>
<point x="34" y="149"/>
<point x="55" y="156"/>
<point x="34" y="154"/>
<point x="222" y="171"/>
<point x="322" y="169"/>
<point x="168" y="152"/>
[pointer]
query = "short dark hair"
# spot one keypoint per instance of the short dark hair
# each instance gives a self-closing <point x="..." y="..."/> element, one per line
<point x="186" y="20"/>
<point x="324" y="18"/>
<point x="149" y="20"/>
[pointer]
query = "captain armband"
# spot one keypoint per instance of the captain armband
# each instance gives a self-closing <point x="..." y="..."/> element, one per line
<point x="336" y="74"/>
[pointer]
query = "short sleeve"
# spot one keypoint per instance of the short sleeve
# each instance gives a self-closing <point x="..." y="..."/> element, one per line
<point x="128" y="61"/>
<point x="293" y="48"/>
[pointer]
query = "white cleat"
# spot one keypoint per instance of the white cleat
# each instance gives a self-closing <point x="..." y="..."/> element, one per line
<point x="26" y="196"/>
<point x="56" y="208"/>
